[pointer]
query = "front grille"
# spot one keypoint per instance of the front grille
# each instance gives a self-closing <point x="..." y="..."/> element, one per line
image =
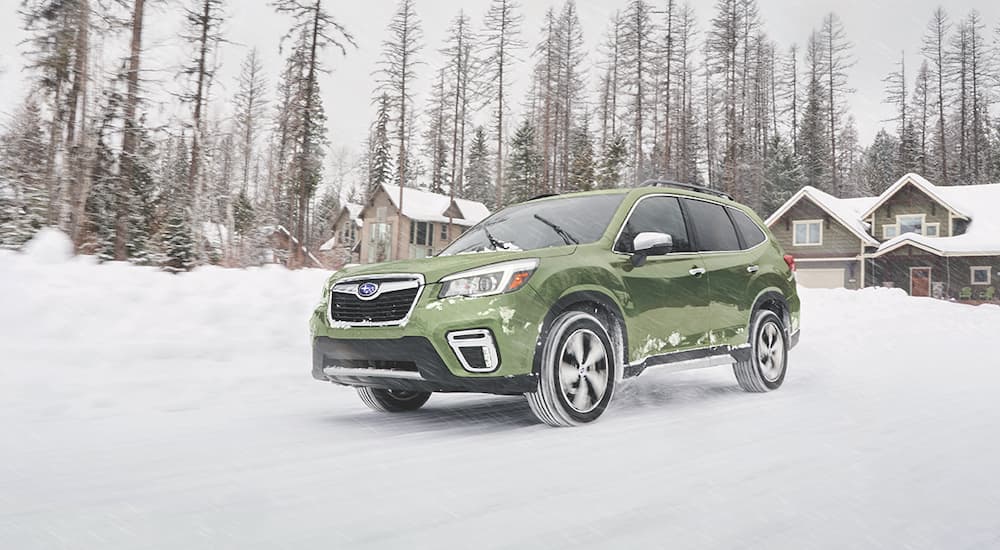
<point x="389" y="307"/>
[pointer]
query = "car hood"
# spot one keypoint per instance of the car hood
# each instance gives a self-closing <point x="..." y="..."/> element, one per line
<point x="433" y="269"/>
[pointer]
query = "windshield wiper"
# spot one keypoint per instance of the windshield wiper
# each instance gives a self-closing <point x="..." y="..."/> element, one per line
<point x="569" y="239"/>
<point x="497" y="245"/>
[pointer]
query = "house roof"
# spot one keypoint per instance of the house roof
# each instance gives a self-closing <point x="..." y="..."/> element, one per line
<point x="432" y="207"/>
<point x="981" y="238"/>
<point x="940" y="194"/>
<point x="847" y="212"/>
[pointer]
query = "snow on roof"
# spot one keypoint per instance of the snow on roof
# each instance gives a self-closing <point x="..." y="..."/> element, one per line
<point x="431" y="207"/>
<point x="354" y="211"/>
<point x="937" y="193"/>
<point x="982" y="236"/>
<point x="846" y="211"/>
<point x="328" y="245"/>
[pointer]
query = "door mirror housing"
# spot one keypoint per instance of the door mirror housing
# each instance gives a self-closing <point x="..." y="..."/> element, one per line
<point x="650" y="244"/>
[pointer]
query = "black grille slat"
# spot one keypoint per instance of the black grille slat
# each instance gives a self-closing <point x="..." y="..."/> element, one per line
<point x="387" y="308"/>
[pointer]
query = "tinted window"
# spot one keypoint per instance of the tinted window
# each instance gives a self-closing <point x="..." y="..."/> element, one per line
<point x="713" y="226"/>
<point x="659" y="215"/>
<point x="532" y="225"/>
<point x="750" y="231"/>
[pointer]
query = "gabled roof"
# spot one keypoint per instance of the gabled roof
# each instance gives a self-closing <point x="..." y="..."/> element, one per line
<point x="939" y="194"/>
<point x="981" y="237"/>
<point x="847" y="212"/>
<point x="425" y="206"/>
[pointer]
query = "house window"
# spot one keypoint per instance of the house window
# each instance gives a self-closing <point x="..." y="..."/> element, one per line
<point x="981" y="275"/>
<point x="889" y="232"/>
<point x="932" y="229"/>
<point x="807" y="233"/>
<point x="380" y="213"/>
<point x="380" y="240"/>
<point x="421" y="233"/>
<point x="444" y="232"/>
<point x="911" y="223"/>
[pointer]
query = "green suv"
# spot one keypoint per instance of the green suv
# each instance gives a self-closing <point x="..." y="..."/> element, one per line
<point x="560" y="298"/>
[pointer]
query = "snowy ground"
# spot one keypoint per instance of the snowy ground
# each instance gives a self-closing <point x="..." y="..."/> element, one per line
<point x="143" y="410"/>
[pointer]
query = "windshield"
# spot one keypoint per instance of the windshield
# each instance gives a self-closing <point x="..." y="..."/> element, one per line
<point x="541" y="224"/>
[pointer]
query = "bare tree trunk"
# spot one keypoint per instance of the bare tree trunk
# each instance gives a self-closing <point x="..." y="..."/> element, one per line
<point x="129" y="138"/>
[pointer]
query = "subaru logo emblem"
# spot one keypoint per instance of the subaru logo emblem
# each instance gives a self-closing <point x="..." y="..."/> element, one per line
<point x="367" y="290"/>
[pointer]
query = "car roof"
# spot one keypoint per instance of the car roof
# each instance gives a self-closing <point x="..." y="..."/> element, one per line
<point x="658" y="188"/>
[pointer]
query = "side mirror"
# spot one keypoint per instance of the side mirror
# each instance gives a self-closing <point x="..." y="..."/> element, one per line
<point x="650" y="244"/>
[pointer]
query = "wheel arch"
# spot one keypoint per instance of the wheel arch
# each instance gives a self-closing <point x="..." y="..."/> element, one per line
<point x="774" y="300"/>
<point x="605" y="308"/>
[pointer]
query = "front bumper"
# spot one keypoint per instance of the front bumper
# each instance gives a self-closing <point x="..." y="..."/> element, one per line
<point x="386" y="363"/>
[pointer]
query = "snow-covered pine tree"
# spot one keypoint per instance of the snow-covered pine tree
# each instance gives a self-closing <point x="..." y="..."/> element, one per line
<point x="582" y="171"/>
<point x="613" y="163"/>
<point x="881" y="163"/>
<point x="24" y="194"/>
<point x="178" y="243"/>
<point x="380" y="168"/>
<point x="814" y="148"/>
<point x="782" y="175"/>
<point x="144" y="199"/>
<point x="478" y="178"/>
<point x="524" y="164"/>
<point x="436" y="132"/>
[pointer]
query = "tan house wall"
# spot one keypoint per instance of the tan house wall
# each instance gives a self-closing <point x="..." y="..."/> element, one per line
<point x="401" y="246"/>
<point x="911" y="200"/>
<point x="838" y="241"/>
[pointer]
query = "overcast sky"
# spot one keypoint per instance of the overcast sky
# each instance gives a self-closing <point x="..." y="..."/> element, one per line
<point x="880" y="30"/>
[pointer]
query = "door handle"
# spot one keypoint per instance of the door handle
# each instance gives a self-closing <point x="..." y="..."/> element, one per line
<point x="752" y="268"/>
<point x="697" y="271"/>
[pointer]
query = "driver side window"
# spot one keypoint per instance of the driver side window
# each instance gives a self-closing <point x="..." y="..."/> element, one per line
<point x="656" y="214"/>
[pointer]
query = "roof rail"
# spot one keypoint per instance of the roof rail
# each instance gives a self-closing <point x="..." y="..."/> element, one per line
<point x="686" y="186"/>
<point x="543" y="196"/>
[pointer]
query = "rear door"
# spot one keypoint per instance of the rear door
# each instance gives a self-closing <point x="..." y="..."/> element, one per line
<point x="729" y="267"/>
<point x="667" y="298"/>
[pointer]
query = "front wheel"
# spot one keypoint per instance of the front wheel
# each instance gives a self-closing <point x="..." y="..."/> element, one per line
<point x="393" y="400"/>
<point x="765" y="369"/>
<point x="578" y="371"/>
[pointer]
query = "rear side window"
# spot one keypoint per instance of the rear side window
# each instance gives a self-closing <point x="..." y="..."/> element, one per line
<point x="656" y="214"/>
<point x="750" y="231"/>
<point x="714" y="228"/>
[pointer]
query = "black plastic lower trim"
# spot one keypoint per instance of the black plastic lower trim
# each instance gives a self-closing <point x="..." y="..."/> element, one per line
<point x="435" y="376"/>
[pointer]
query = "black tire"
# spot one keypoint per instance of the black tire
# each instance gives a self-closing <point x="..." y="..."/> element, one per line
<point x="393" y="400"/>
<point x="765" y="369"/>
<point x="579" y="371"/>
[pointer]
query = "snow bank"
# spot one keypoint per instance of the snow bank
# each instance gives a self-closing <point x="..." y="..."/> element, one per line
<point x="145" y="410"/>
<point x="49" y="246"/>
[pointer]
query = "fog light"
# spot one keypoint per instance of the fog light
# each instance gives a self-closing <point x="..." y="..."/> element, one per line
<point x="475" y="349"/>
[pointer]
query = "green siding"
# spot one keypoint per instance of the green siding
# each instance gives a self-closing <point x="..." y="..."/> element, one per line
<point x="910" y="200"/>
<point x="954" y="272"/>
<point x="838" y="241"/>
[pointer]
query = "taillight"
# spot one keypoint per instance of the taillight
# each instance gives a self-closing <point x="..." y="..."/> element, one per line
<point x="790" y="260"/>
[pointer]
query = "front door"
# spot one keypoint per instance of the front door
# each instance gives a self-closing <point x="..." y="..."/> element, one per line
<point x="667" y="298"/>
<point x="920" y="281"/>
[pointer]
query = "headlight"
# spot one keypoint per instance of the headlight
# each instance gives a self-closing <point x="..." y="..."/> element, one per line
<point x="489" y="280"/>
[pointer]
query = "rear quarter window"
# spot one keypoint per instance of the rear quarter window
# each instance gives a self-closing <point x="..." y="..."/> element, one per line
<point x="714" y="229"/>
<point x="749" y="230"/>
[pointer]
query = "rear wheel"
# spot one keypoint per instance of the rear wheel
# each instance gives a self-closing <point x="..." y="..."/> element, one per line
<point x="578" y="371"/>
<point x="393" y="400"/>
<point x="765" y="369"/>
